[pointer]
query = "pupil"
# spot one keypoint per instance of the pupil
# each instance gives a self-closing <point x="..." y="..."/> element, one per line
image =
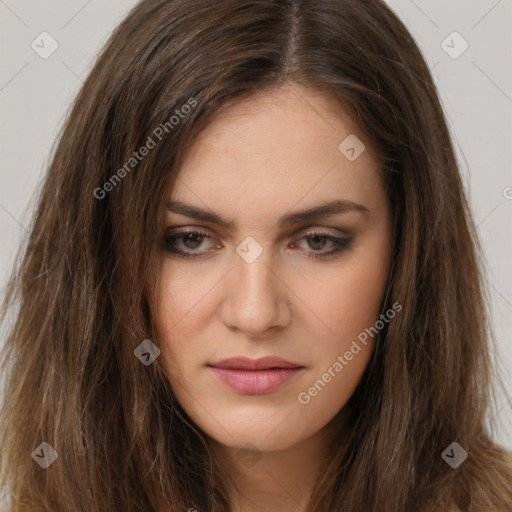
<point x="190" y="237"/>
<point x="317" y="238"/>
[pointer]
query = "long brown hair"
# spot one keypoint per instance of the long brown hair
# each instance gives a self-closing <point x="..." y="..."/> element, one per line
<point x="81" y="294"/>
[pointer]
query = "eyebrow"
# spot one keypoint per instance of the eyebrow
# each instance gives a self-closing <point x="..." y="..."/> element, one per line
<point x="316" y="212"/>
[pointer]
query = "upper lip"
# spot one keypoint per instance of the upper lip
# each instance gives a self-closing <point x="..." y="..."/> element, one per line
<point x="245" y="363"/>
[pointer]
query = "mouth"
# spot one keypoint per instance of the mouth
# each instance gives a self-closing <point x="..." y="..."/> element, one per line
<point x="255" y="376"/>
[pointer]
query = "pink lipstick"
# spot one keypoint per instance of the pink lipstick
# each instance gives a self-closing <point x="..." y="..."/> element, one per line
<point x="255" y="376"/>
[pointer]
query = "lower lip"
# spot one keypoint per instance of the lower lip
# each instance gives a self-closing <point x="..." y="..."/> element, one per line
<point x="255" y="382"/>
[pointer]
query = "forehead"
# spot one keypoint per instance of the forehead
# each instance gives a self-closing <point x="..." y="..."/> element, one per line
<point x="277" y="149"/>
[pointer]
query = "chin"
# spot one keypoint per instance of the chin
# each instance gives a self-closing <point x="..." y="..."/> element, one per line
<point x="257" y="441"/>
<point x="266" y="434"/>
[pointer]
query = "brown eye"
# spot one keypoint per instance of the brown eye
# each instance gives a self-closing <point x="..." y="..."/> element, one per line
<point x="185" y="244"/>
<point x="318" y="240"/>
<point x="190" y="244"/>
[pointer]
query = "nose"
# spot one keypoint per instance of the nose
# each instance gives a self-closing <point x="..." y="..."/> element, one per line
<point x="255" y="298"/>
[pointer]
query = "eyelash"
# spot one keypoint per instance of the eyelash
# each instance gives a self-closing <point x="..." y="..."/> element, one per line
<point x="340" y="243"/>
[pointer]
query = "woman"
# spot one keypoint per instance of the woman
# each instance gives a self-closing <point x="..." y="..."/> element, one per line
<point x="252" y="280"/>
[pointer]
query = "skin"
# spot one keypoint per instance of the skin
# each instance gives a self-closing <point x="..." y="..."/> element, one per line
<point x="264" y="157"/>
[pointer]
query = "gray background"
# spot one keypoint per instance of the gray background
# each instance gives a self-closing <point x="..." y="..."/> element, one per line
<point x="475" y="89"/>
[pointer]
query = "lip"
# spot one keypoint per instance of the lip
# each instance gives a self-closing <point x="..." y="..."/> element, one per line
<point x="255" y="376"/>
<point x="246" y="363"/>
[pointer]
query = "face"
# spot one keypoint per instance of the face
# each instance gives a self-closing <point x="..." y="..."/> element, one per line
<point x="288" y="296"/>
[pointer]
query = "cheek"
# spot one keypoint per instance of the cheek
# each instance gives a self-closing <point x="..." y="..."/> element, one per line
<point x="348" y="302"/>
<point x="181" y="296"/>
<point x="350" y="308"/>
<point x="347" y="298"/>
<point x="331" y="385"/>
<point x="171" y="320"/>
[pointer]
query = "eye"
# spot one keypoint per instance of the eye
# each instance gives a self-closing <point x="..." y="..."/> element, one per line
<point x="187" y="244"/>
<point x="317" y="240"/>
